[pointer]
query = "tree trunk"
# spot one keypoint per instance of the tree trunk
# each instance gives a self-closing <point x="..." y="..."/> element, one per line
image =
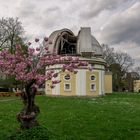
<point x="27" y="116"/>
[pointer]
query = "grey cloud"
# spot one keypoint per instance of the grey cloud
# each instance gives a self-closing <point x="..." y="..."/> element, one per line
<point x="137" y="62"/>
<point x="27" y="13"/>
<point x="51" y="17"/>
<point x="95" y="7"/>
<point x="123" y="27"/>
<point x="44" y="16"/>
<point x="26" y="10"/>
<point x="52" y="9"/>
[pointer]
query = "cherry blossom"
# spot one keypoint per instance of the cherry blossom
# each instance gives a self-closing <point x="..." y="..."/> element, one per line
<point x="27" y="66"/>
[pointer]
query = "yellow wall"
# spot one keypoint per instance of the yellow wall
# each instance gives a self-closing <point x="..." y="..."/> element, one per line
<point x="108" y="83"/>
<point x="136" y="85"/>
<point x="89" y="82"/>
<point x="72" y="81"/>
<point x="48" y="90"/>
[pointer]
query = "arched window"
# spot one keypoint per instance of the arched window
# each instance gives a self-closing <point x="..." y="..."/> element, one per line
<point x="67" y="44"/>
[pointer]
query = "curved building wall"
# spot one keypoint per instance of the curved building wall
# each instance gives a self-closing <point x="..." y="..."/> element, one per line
<point x="80" y="84"/>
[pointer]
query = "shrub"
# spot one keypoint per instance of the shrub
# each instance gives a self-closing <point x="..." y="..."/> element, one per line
<point x="17" y="94"/>
<point x="5" y="94"/>
<point x="35" y="133"/>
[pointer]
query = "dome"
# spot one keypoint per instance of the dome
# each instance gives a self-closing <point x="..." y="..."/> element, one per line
<point x="87" y="42"/>
<point x="65" y="42"/>
<point x="96" y="47"/>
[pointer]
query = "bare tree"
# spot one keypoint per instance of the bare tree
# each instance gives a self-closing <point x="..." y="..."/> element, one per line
<point x="11" y="32"/>
<point x="108" y="54"/>
<point x="124" y="60"/>
<point x="119" y="63"/>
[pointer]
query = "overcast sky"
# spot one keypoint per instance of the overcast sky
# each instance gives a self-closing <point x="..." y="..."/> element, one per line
<point x="114" y="22"/>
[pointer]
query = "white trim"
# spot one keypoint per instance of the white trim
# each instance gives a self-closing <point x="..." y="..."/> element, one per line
<point x="65" y="87"/>
<point x="81" y="82"/>
<point x="100" y="83"/>
<point x="94" y="87"/>
<point x="103" y="82"/>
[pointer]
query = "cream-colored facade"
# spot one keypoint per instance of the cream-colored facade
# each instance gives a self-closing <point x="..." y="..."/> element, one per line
<point x="108" y="82"/>
<point x="136" y="85"/>
<point x="85" y="82"/>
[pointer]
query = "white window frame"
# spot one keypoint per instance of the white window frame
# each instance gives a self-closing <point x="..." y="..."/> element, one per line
<point x="91" y="86"/>
<point x="66" y="79"/>
<point x="91" y="76"/>
<point x="65" y="87"/>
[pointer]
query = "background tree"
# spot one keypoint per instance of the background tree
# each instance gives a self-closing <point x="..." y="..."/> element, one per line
<point x="11" y="32"/>
<point x="125" y="61"/>
<point x="27" y="68"/>
<point x="116" y="76"/>
<point x="119" y="63"/>
<point x="130" y="79"/>
<point x="108" y="54"/>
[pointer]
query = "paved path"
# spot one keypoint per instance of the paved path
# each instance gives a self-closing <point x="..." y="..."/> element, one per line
<point x="6" y="100"/>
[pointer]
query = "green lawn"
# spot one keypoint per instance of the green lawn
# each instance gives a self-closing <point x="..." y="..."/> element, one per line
<point x="112" y="117"/>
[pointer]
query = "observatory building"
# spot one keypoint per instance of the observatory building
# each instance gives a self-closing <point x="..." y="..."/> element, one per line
<point x="85" y="82"/>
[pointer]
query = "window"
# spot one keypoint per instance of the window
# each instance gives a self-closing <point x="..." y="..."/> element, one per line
<point x="67" y="77"/>
<point x="67" y="43"/>
<point x="67" y="87"/>
<point x="92" y="87"/>
<point x="93" y="78"/>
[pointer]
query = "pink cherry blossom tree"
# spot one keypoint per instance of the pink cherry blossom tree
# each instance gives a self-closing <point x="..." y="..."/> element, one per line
<point x="28" y="67"/>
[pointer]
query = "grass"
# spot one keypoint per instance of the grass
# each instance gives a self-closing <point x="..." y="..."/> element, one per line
<point x="112" y="117"/>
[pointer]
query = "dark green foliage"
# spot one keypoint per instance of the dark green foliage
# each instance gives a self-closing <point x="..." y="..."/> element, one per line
<point x="116" y="77"/>
<point x="36" y="133"/>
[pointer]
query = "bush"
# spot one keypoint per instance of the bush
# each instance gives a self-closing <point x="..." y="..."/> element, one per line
<point x="35" y="133"/>
<point x="6" y="94"/>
